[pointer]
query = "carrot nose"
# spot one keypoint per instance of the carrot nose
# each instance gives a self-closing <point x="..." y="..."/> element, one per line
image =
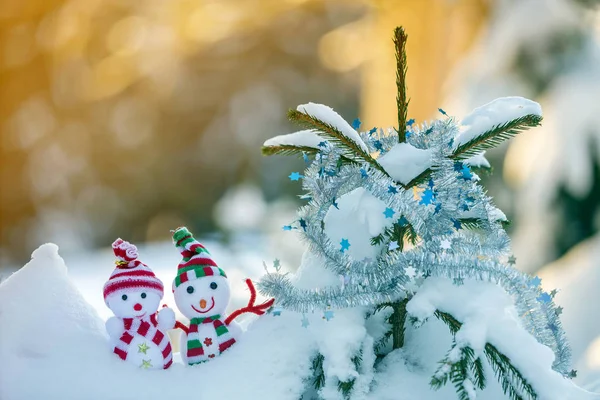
<point x="202" y="303"/>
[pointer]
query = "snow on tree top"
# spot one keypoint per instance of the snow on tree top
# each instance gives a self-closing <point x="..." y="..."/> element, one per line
<point x="405" y="162"/>
<point x="497" y="112"/>
<point x="305" y="138"/>
<point x="329" y="116"/>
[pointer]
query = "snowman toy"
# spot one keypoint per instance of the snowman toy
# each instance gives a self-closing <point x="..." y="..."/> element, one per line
<point x="137" y="332"/>
<point x="202" y="293"/>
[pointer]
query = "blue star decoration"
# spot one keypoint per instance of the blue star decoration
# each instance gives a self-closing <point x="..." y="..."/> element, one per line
<point x="456" y="223"/>
<point x="363" y="173"/>
<point x="402" y="221"/>
<point x="322" y="144"/>
<point x="276" y="313"/>
<point x="427" y="197"/>
<point x="389" y="213"/>
<point x="442" y="111"/>
<point x="544" y="298"/>
<point x="553" y="327"/>
<point x="392" y="189"/>
<point x="277" y="264"/>
<point x="305" y="157"/>
<point x="438" y="208"/>
<point x="512" y="260"/>
<point x="430" y="183"/>
<point x="410" y="122"/>
<point x="287" y="227"/>
<point x="335" y="204"/>
<point x="407" y="134"/>
<point x="534" y="282"/>
<point x="372" y="131"/>
<point x="464" y="170"/>
<point x="305" y="322"/>
<point x="294" y="176"/>
<point x="345" y="245"/>
<point x="451" y="142"/>
<point x="302" y="223"/>
<point x="465" y="207"/>
<point x="328" y="315"/>
<point x="378" y="145"/>
<point x="356" y="123"/>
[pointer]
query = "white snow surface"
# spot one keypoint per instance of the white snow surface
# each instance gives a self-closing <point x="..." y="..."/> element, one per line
<point x="478" y="160"/>
<point x="496" y="112"/>
<point x="306" y="138"/>
<point x="72" y="359"/>
<point x="405" y="162"/>
<point x="328" y="115"/>
<point x="358" y="217"/>
<point x="489" y="316"/>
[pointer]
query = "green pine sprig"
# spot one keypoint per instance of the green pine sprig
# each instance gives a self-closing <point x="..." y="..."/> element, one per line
<point x="288" y="150"/>
<point x="496" y="136"/>
<point x="512" y="381"/>
<point x="352" y="149"/>
<point x="400" y="38"/>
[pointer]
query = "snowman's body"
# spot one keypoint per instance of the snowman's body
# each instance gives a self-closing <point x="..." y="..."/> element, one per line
<point x="202" y="294"/>
<point x="206" y="339"/>
<point x="143" y="343"/>
<point x="203" y="300"/>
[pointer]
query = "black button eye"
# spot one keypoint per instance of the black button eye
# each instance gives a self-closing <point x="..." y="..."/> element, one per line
<point x="124" y="297"/>
<point x="213" y="285"/>
<point x="190" y="289"/>
<point x="143" y="295"/>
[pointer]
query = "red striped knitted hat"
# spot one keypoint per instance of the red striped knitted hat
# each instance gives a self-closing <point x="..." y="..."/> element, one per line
<point x="196" y="262"/>
<point x="130" y="273"/>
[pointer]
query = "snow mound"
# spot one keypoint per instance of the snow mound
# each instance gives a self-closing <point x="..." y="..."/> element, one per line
<point x="494" y="113"/>
<point x="51" y="336"/>
<point x="405" y="162"/>
<point x="358" y="217"/>
<point x="329" y="116"/>
<point x="489" y="316"/>
<point x="306" y="138"/>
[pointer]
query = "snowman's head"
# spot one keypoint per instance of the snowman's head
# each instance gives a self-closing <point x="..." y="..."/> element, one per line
<point x="203" y="297"/>
<point x="137" y="303"/>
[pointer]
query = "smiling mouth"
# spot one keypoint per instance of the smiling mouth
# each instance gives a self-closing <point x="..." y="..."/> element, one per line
<point x="207" y="310"/>
<point x="141" y="316"/>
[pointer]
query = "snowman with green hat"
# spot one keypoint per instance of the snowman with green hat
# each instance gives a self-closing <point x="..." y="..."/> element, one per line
<point x="202" y="293"/>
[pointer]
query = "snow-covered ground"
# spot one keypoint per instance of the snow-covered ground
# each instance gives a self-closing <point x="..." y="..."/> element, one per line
<point x="53" y="334"/>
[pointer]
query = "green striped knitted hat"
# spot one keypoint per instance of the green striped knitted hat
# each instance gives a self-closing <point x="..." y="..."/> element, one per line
<point x="196" y="262"/>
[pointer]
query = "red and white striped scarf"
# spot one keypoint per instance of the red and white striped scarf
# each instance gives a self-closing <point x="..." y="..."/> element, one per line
<point x="148" y="328"/>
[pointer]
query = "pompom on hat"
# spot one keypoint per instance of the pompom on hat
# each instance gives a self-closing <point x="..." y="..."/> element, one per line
<point x="130" y="273"/>
<point x="197" y="261"/>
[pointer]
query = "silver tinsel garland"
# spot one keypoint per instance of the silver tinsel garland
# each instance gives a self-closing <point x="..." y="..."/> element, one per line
<point x="474" y="254"/>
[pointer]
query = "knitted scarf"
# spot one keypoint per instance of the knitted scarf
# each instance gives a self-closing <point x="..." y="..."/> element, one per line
<point x="148" y="328"/>
<point x="195" y="352"/>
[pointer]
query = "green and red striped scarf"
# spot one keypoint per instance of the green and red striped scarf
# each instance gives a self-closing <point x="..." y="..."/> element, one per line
<point x="195" y="351"/>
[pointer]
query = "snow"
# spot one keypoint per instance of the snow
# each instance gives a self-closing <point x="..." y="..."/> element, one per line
<point x="306" y="138"/>
<point x="478" y="160"/>
<point x="72" y="359"/>
<point x="405" y="162"/>
<point x="488" y="316"/>
<point x="329" y="116"/>
<point x="359" y="216"/>
<point x="494" y="113"/>
<point x="577" y="278"/>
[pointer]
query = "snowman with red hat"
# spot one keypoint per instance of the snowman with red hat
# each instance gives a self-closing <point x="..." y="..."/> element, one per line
<point x="137" y="332"/>
<point x="202" y="293"/>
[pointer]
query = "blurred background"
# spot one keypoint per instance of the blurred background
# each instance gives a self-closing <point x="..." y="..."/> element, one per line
<point x="122" y="118"/>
